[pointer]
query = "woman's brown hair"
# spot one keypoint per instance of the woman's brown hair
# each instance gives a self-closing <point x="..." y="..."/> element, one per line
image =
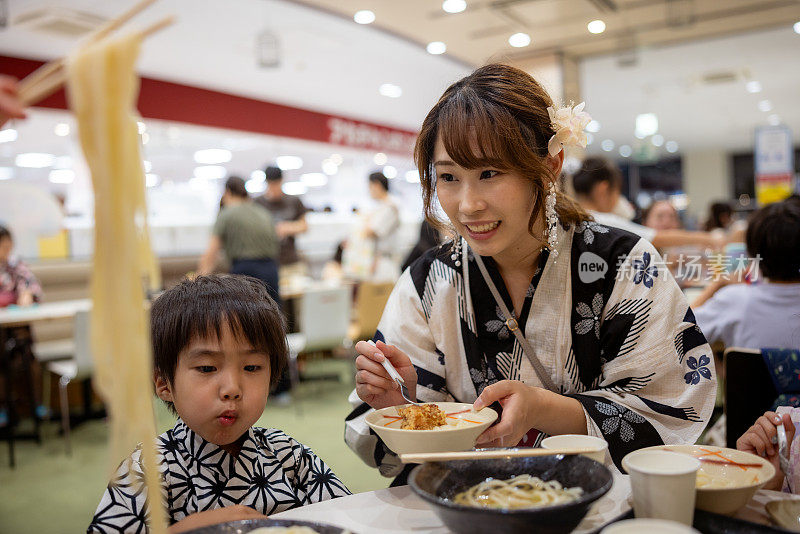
<point x="503" y="110"/>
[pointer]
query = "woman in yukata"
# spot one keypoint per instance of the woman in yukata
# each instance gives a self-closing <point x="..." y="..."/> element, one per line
<point x="571" y="326"/>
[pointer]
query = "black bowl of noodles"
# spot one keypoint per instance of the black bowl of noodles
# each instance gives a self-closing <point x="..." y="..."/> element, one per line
<point x="270" y="526"/>
<point x="439" y="483"/>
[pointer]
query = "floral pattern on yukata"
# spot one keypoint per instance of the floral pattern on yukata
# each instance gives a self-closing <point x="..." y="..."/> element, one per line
<point x="591" y="316"/>
<point x="644" y="273"/>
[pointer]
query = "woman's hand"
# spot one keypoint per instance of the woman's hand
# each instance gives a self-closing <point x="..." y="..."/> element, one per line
<point x="214" y="517"/>
<point x="518" y="401"/>
<point x="373" y="384"/>
<point x="761" y="439"/>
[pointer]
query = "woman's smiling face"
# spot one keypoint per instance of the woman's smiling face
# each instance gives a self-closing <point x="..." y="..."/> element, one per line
<point x="490" y="207"/>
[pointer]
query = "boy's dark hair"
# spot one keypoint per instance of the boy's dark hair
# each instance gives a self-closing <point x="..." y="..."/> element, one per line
<point x="197" y="308"/>
<point x="235" y="186"/>
<point x="773" y="233"/>
<point x="593" y="171"/>
<point x="4" y="233"/>
<point x="273" y="174"/>
<point x="379" y="178"/>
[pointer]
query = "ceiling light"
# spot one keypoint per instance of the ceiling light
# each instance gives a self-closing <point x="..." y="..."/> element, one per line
<point x="141" y="126"/>
<point x="61" y="129"/>
<point x="258" y="175"/>
<point x="753" y="86"/>
<point x="8" y="135"/>
<point x="593" y="126"/>
<point x="390" y="90"/>
<point x="796" y="27"/>
<point x="365" y="16"/>
<point x="329" y="167"/>
<point x="212" y="156"/>
<point x="672" y="146"/>
<point x="774" y="119"/>
<point x="454" y="6"/>
<point x="646" y="125"/>
<point x="62" y="176"/>
<point x="289" y="163"/>
<point x="255" y="185"/>
<point x="625" y="151"/>
<point x="764" y="105"/>
<point x="412" y="176"/>
<point x="337" y="159"/>
<point x="607" y="145"/>
<point x="436" y="48"/>
<point x="518" y="40"/>
<point x="380" y="158"/>
<point x="210" y="172"/>
<point x="390" y="172"/>
<point x="657" y="140"/>
<point x="294" y="188"/>
<point x="596" y="26"/>
<point x="34" y="160"/>
<point x="150" y="179"/>
<point x="6" y="173"/>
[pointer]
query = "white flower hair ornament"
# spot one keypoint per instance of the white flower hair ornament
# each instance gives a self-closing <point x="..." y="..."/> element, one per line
<point x="568" y="123"/>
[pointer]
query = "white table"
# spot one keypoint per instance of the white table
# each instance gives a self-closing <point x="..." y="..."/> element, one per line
<point x="18" y="315"/>
<point x="396" y="510"/>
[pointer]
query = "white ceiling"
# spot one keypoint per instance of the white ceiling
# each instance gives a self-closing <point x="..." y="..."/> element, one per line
<point x="328" y="63"/>
<point x="331" y="64"/>
<point x="698" y="115"/>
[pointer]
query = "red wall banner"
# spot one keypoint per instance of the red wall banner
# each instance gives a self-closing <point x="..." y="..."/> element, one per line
<point x="184" y="103"/>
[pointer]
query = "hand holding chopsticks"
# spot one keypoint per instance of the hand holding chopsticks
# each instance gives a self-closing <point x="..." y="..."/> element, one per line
<point x="48" y="78"/>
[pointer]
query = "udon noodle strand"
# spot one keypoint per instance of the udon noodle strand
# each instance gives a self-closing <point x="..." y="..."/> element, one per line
<point x="102" y="89"/>
<point x="523" y="491"/>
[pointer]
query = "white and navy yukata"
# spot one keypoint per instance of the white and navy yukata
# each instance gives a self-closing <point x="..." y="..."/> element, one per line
<point x="605" y="318"/>
<point x="271" y="473"/>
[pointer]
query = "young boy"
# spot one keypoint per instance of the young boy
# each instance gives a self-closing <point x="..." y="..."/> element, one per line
<point x="218" y="345"/>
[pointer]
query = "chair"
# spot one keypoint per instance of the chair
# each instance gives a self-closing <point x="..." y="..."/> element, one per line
<point x="76" y="368"/>
<point x="324" y="318"/>
<point x="749" y="391"/>
<point x="371" y="298"/>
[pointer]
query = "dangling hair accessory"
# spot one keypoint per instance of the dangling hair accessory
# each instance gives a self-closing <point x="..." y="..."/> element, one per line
<point x="551" y="216"/>
<point x="456" y="254"/>
<point x="568" y="123"/>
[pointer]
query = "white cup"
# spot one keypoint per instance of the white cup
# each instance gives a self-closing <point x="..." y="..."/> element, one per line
<point x="663" y="484"/>
<point x="651" y="526"/>
<point x="598" y="446"/>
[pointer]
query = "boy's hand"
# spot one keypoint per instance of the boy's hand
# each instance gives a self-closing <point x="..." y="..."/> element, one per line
<point x="761" y="439"/>
<point x="214" y="517"/>
<point x="373" y="384"/>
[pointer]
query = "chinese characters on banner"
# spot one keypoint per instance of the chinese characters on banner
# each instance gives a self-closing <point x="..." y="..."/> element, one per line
<point x="774" y="162"/>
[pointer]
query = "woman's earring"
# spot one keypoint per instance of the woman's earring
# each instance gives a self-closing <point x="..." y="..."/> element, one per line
<point x="552" y="219"/>
<point x="456" y="255"/>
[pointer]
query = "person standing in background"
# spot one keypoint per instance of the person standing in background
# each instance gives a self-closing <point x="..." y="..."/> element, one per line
<point x="247" y="235"/>
<point x="288" y="214"/>
<point x="720" y="215"/>
<point x="383" y="225"/>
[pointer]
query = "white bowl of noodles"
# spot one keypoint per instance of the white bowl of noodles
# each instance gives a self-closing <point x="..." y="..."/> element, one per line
<point x="727" y="478"/>
<point x="459" y="433"/>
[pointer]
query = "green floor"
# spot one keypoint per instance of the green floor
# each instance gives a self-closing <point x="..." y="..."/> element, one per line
<point x="50" y="492"/>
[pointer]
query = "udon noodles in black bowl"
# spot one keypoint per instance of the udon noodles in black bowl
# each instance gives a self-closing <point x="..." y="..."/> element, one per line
<point x="502" y="495"/>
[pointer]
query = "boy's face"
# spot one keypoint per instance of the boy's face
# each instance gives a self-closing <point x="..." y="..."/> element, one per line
<point x="220" y="387"/>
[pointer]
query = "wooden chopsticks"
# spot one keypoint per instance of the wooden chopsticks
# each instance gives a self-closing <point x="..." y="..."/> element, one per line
<point x="486" y="454"/>
<point x="45" y="80"/>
